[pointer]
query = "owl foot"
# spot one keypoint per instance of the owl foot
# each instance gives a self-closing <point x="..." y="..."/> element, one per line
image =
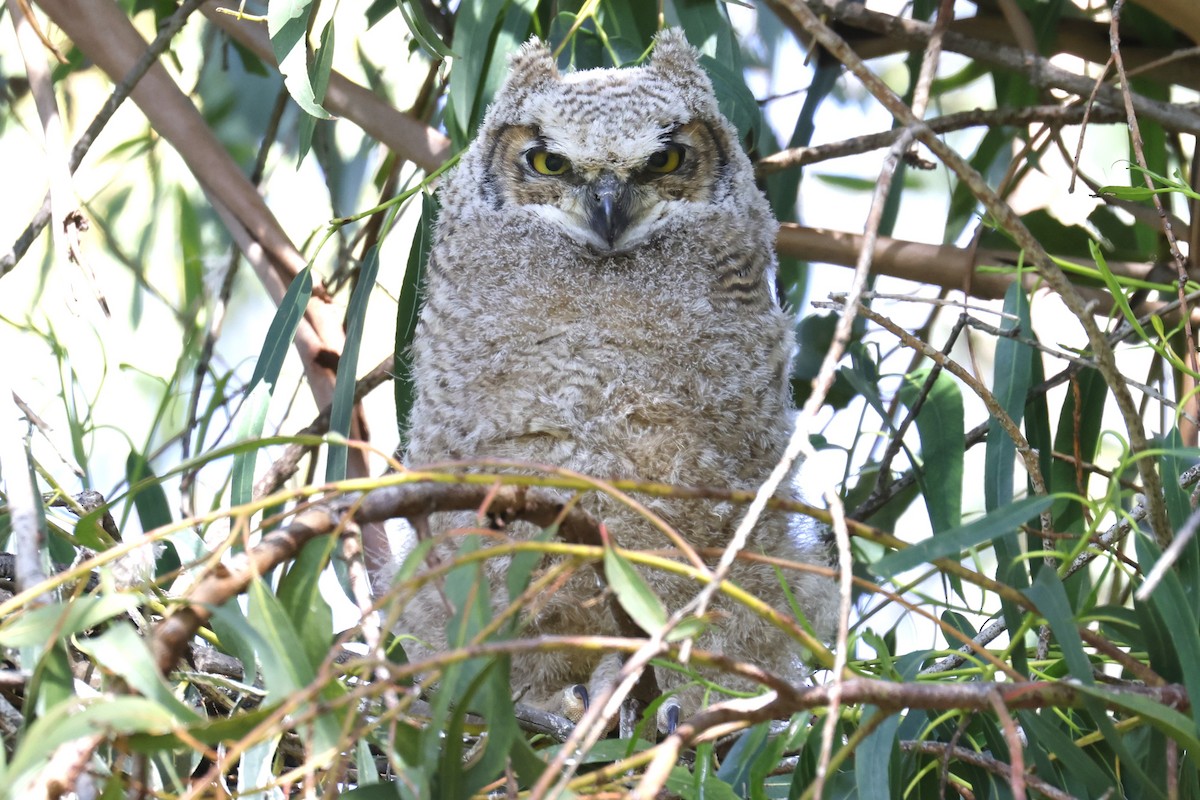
<point x="668" y="716"/>
<point x="574" y="702"/>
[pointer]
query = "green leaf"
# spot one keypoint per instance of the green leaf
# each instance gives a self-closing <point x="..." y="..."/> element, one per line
<point x="1174" y="724"/>
<point x="1011" y="379"/>
<point x="1115" y="289"/>
<point x="633" y="593"/>
<point x="53" y="681"/>
<point x="1048" y="594"/>
<point x="1170" y="600"/>
<point x="104" y="716"/>
<point x="680" y="782"/>
<point x="374" y="791"/>
<point x="422" y="30"/>
<point x="262" y="383"/>
<point x="1078" y="435"/>
<point x="193" y="253"/>
<point x="1010" y="384"/>
<point x="1044" y="733"/>
<point x="873" y="758"/>
<point x="735" y="101"/>
<point x="286" y="668"/>
<point x="485" y="32"/>
<point x="287" y="25"/>
<point x="347" y="372"/>
<point x="299" y="593"/>
<point x="940" y="426"/>
<point x="1000" y="523"/>
<point x="736" y="766"/>
<point x="319" y="75"/>
<point x="408" y="311"/>
<point x="283" y="328"/>
<point x="123" y="651"/>
<point x="962" y="201"/>
<point x="149" y="499"/>
<point x="60" y="620"/>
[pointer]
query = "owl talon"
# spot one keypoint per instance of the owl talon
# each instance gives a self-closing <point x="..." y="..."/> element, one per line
<point x="668" y="716"/>
<point x="575" y="701"/>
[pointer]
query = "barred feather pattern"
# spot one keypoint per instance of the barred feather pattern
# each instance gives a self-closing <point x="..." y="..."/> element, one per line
<point x="660" y="355"/>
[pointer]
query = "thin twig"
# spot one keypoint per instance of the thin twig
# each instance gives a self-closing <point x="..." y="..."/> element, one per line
<point x="162" y="40"/>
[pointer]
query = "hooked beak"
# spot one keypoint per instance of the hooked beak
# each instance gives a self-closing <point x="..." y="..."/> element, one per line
<point x="608" y="202"/>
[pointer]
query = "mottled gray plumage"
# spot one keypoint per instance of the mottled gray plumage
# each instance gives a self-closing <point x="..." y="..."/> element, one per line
<point x="600" y="297"/>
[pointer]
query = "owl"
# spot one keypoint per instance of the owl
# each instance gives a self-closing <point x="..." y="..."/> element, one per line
<point x="600" y="296"/>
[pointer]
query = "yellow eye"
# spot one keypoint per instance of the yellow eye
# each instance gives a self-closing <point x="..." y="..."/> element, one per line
<point x="546" y="163"/>
<point x="666" y="160"/>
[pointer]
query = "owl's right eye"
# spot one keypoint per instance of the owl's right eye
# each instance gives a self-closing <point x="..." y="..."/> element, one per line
<point x="544" y="162"/>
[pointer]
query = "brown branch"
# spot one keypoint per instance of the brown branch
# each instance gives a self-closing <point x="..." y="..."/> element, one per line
<point x="1007" y="220"/>
<point x="1053" y="115"/>
<point x="284" y="466"/>
<point x="911" y="34"/>
<point x="983" y="761"/>
<point x="946" y="265"/>
<point x="408" y="136"/>
<point x="103" y="32"/>
<point x="172" y="635"/>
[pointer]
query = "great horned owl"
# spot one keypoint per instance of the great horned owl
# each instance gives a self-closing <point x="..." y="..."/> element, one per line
<point x="601" y="297"/>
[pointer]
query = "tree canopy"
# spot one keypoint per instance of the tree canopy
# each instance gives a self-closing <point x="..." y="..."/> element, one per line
<point x="219" y="213"/>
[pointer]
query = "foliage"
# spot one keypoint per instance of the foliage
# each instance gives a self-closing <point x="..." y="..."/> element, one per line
<point x="188" y="611"/>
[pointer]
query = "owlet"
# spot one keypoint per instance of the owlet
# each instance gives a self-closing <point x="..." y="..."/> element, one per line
<point x="600" y="297"/>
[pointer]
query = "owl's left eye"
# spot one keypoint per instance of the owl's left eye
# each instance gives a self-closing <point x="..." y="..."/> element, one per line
<point x="544" y="162"/>
<point x="666" y="160"/>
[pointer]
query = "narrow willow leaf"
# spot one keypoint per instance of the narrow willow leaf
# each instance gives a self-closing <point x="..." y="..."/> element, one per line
<point x="1172" y="464"/>
<point x="287" y="25"/>
<point x="1078" y="434"/>
<point x="262" y="382"/>
<point x="1047" y="739"/>
<point x="105" y="716"/>
<point x="494" y="699"/>
<point x="148" y="498"/>
<point x="1175" y="724"/>
<point x="633" y="593"/>
<point x="873" y="757"/>
<point x="422" y="30"/>
<point x="36" y="626"/>
<point x="122" y="651"/>
<point x="214" y="731"/>
<point x="407" y="307"/>
<point x="1001" y="523"/>
<point x="474" y="23"/>
<point x="193" y="253"/>
<point x="1114" y="289"/>
<point x="962" y="200"/>
<point x="374" y="791"/>
<point x="53" y="681"/>
<point x="680" y="783"/>
<point x="1048" y="594"/>
<point x="285" y="667"/>
<point x="1009" y="386"/>
<point x="735" y="100"/>
<point x="736" y="766"/>
<point x="255" y="768"/>
<point x="940" y="426"/>
<point x="342" y="407"/>
<point x="1171" y="601"/>
<point x="300" y="595"/>
<point x="368" y="774"/>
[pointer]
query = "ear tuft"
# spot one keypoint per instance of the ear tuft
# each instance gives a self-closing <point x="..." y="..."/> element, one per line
<point x="674" y="56"/>
<point x="532" y="65"/>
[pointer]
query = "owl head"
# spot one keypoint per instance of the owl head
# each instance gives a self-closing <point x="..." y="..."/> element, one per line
<point x="606" y="156"/>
